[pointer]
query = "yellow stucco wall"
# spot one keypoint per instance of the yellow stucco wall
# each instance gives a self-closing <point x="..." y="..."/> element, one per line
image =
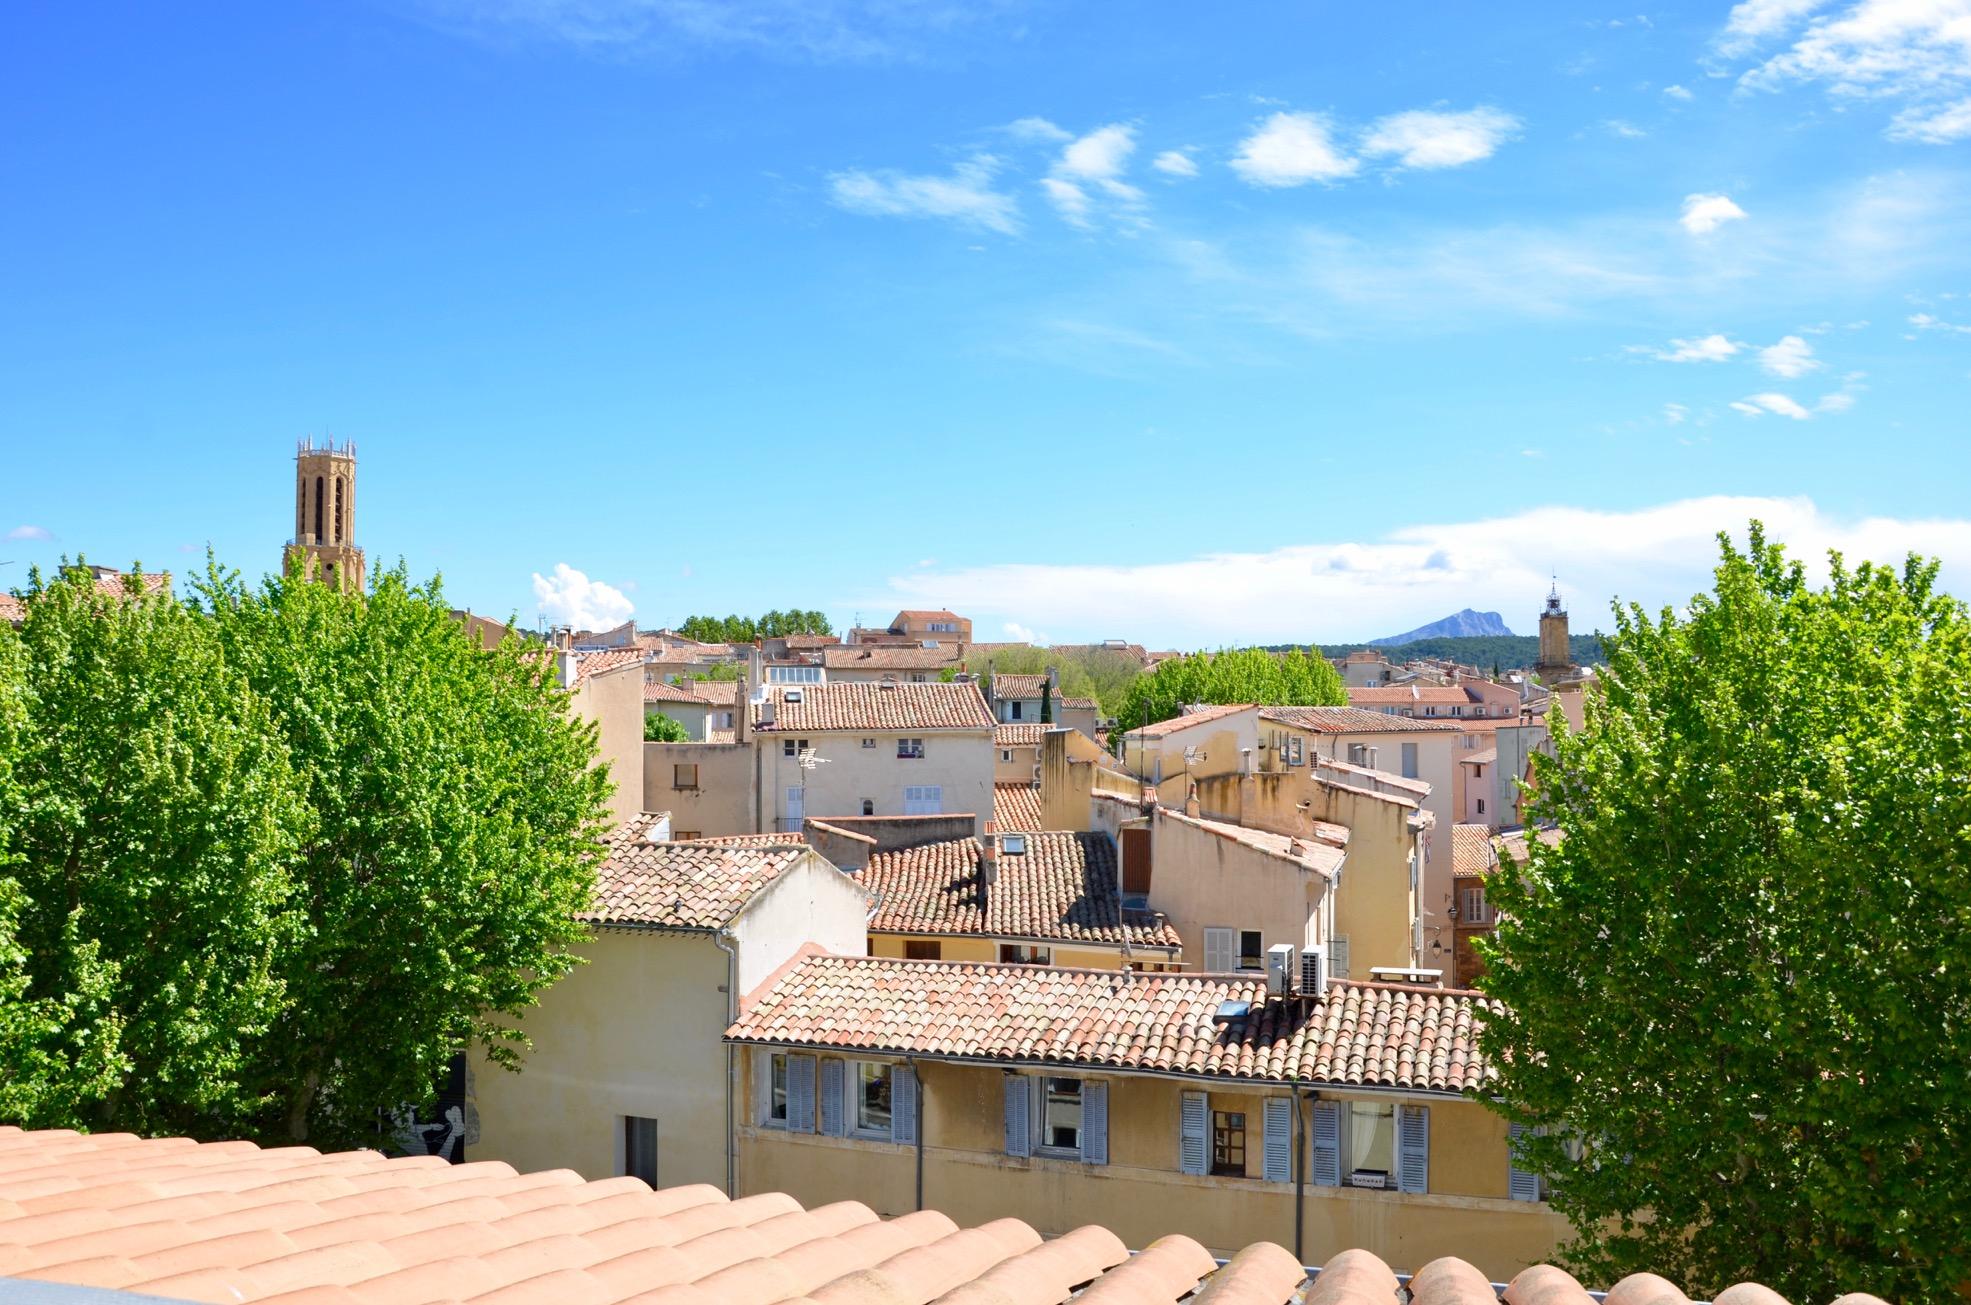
<point x="1141" y="1196"/>
<point x="963" y="947"/>
<point x="607" y="1042"/>
<point x="1201" y="880"/>
<point x="614" y="701"/>
<point x="723" y="801"/>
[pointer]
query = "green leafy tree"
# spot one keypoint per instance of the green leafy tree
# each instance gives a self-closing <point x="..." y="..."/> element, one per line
<point x="722" y="672"/>
<point x="1736" y="992"/>
<point x="454" y="836"/>
<point x="1075" y="680"/>
<point x="150" y="823"/>
<point x="744" y="629"/>
<point x="1230" y="675"/>
<point x="659" y="728"/>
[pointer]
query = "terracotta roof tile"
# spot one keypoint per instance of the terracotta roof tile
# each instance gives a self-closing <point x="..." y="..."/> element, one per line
<point x="1016" y="808"/>
<point x="1472" y="853"/>
<point x="589" y="664"/>
<point x="1200" y="716"/>
<point x="1407" y="695"/>
<point x="1349" y="720"/>
<point x="1321" y="852"/>
<point x="213" y="1237"/>
<point x="879" y="657"/>
<point x="1019" y="734"/>
<point x="1512" y="843"/>
<point x="658" y="691"/>
<point x="695" y="885"/>
<point x="1015" y="685"/>
<point x="1367" y="1035"/>
<point x="874" y="707"/>
<point x="14" y="611"/>
<point x="1063" y="887"/>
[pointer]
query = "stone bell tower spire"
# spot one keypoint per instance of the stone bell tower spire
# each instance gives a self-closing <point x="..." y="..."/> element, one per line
<point x="325" y="515"/>
<point x="1556" y="661"/>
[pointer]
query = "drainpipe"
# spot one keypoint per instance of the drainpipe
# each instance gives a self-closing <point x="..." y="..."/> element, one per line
<point x="724" y="941"/>
<point x="919" y="1129"/>
<point x="1299" y="1172"/>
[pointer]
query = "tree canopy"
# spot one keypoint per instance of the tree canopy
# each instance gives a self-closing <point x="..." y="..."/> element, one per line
<point x="659" y="728"/>
<point x="744" y="629"/>
<point x="1293" y="678"/>
<point x="268" y="859"/>
<point x="1736" y="992"/>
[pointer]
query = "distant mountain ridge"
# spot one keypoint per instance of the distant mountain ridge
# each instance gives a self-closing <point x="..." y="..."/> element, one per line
<point x="1459" y="625"/>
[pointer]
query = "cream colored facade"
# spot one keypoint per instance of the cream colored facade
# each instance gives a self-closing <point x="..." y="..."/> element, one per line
<point x="861" y="773"/>
<point x="635" y="1033"/>
<point x="975" y="947"/>
<point x="707" y="787"/>
<point x="1141" y="1192"/>
<point x="613" y="700"/>
<point x="1074" y="776"/>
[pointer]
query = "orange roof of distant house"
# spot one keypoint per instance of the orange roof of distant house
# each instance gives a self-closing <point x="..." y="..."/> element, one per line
<point x="1016" y="808"/>
<point x="876" y="707"/>
<point x="1202" y="716"/>
<point x="1472" y="853"/>
<point x="1019" y="734"/>
<point x="882" y="657"/>
<point x="1349" y="720"/>
<point x="692" y="886"/>
<point x="1397" y="695"/>
<point x="588" y="665"/>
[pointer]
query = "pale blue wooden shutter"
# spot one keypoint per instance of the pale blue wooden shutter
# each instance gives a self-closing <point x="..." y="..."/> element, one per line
<point x="1521" y="1184"/>
<point x="1278" y="1140"/>
<point x="800" y="1094"/>
<point x="1413" y="1148"/>
<point x="1193" y="1134"/>
<point x="1019" y="1134"/>
<point x="1095" y="1123"/>
<point x="903" y="1104"/>
<point x="832" y="1114"/>
<point x="1327" y="1144"/>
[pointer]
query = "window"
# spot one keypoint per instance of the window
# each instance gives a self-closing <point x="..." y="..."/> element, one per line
<point x="922" y="949"/>
<point x="1296" y="757"/>
<point x="1478" y="772"/>
<point x="923" y="799"/>
<point x="1409" y="761"/>
<point x="918" y="677"/>
<point x="1467" y="741"/>
<point x="872" y="1098"/>
<point x="868" y="807"/>
<point x="640" y="1148"/>
<point x="1371" y="1143"/>
<point x="688" y="835"/>
<point x="793" y="675"/>
<point x="1228" y="1143"/>
<point x="776" y="1094"/>
<point x="1252" y="954"/>
<point x="1060" y="1116"/>
<point x="1006" y="755"/>
<point x="869" y="743"/>
<point x="1481" y="806"/>
<point x="1219" y="954"/>
<point x="683" y="776"/>
<point x="1015" y="706"/>
<point x="1471" y="906"/>
<point x="910" y="749"/>
<point x="1023" y="954"/>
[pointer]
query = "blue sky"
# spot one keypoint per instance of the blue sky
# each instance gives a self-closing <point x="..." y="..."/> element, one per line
<point x="1179" y="323"/>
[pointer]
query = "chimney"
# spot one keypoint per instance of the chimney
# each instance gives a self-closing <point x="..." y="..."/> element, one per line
<point x="1054" y="680"/>
<point x="766" y="710"/>
<point x="742" y="711"/>
<point x="1191" y="807"/>
<point x="988" y="863"/>
<point x="756" y="664"/>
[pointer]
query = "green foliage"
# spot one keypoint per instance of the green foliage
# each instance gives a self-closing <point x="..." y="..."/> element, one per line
<point x="453" y="837"/>
<point x="1086" y="672"/>
<point x="150" y="833"/>
<point x="744" y="629"/>
<point x="1740" y="978"/>
<point x="1231" y="675"/>
<point x="1500" y="651"/>
<point x="659" y="728"/>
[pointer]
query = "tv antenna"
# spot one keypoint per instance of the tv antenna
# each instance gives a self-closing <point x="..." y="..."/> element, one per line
<point x="806" y="759"/>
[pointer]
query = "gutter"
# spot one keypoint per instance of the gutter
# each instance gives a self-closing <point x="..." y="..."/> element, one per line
<point x="1299" y="1172"/>
<point x="917" y="1125"/>
<point x="726" y="943"/>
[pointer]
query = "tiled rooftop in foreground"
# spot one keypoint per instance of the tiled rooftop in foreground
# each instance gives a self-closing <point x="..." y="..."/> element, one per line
<point x="229" y="1221"/>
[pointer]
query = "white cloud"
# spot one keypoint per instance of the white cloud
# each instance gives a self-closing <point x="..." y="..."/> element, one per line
<point x="1918" y="51"/>
<point x="1792" y="357"/>
<point x="1021" y="634"/>
<point x="1336" y="590"/>
<point x="568" y="597"/>
<point x="966" y="196"/>
<point x="1100" y="154"/>
<point x="1292" y="149"/>
<point x="1840" y="401"/>
<point x="1070" y="200"/>
<point x="1039" y="129"/>
<point x="1676" y="92"/>
<point x="1706" y="213"/>
<point x="1429" y="138"/>
<point x="1623" y="128"/>
<point x="1755" y="21"/>
<point x="1778" y="404"/>
<point x="1926" y="322"/>
<point x="35" y="534"/>
<point x="1175" y="163"/>
<point x="1093" y="162"/>
<point x="1675" y="414"/>
<point x="1709" y="348"/>
<point x="1932" y="125"/>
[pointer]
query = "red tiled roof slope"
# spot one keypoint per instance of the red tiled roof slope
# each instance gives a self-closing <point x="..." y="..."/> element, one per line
<point x="878" y="707"/>
<point x="1020" y="734"/>
<point x="696" y="885"/>
<point x="1063" y="887"/>
<point x="1472" y="854"/>
<point x="879" y="657"/>
<point x="1349" y="720"/>
<point x="227" y="1222"/>
<point x="589" y="664"/>
<point x="1016" y="808"/>
<point x="1360" y="1035"/>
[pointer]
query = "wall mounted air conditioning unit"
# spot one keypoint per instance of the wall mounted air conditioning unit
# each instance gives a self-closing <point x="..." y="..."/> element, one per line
<point x="1282" y="962"/>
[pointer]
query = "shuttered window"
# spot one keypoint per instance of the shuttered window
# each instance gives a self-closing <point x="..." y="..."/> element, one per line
<point x="1279" y="1140"/>
<point x="1413" y="1148"/>
<point x="833" y="1115"/>
<point x="1191" y="1124"/>
<point x="1521" y="1184"/>
<point x="903" y="1104"/>
<point x="1019" y="1131"/>
<point x="1326" y="1149"/>
<point x="1338" y="956"/>
<point x="800" y="1094"/>
<point x="1221" y="947"/>
<point x="1095" y="1123"/>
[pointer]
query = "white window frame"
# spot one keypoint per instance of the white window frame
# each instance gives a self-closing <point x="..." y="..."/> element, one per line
<point x="852" y="1085"/>
<point x="931" y="794"/>
<point x="1038" y="1114"/>
<point x="1006" y="756"/>
<point x="910" y="749"/>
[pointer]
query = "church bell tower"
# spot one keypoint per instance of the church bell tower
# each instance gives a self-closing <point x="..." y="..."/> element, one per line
<point x="1556" y="654"/>
<point x="325" y="515"/>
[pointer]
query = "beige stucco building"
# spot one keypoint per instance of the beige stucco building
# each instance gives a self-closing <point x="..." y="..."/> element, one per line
<point x="625" y="1067"/>
<point x="606" y="689"/>
<point x="1141" y="1100"/>
<point x="1023" y="699"/>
